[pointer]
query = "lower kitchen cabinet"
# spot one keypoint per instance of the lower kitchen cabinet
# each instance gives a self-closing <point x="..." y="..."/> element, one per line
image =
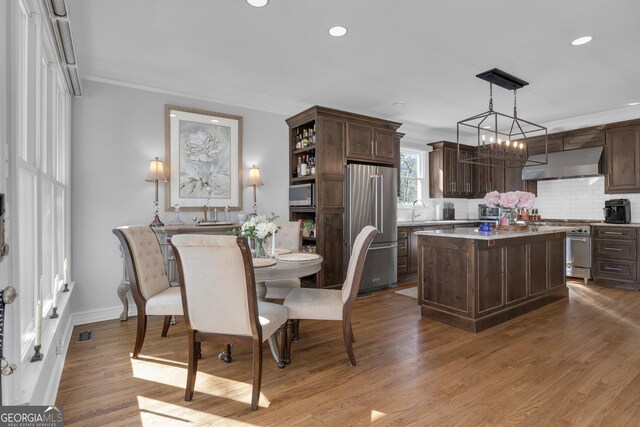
<point x="408" y="247"/>
<point x="615" y="256"/>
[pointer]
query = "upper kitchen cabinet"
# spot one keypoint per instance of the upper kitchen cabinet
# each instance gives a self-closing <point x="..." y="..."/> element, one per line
<point x="584" y="139"/>
<point x="622" y="155"/>
<point x="448" y="177"/>
<point x="372" y="144"/>
<point x="536" y="145"/>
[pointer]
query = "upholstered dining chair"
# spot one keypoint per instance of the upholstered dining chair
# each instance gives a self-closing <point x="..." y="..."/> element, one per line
<point x="333" y="304"/>
<point x="289" y="236"/>
<point x="220" y="301"/>
<point x="148" y="279"/>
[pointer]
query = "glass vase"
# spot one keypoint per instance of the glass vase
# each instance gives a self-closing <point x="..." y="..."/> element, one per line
<point x="260" y="252"/>
<point x="508" y="216"/>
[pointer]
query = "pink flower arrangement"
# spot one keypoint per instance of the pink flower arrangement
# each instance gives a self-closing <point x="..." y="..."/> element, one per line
<point x="510" y="199"/>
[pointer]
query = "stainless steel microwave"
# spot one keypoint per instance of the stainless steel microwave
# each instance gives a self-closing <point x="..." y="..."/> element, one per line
<point x="485" y="212"/>
<point x="302" y="195"/>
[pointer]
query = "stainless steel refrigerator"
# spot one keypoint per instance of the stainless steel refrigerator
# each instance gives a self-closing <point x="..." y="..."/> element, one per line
<point x="370" y="199"/>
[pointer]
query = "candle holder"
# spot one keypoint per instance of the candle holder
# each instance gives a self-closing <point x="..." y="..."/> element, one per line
<point x="37" y="357"/>
<point x="54" y="315"/>
<point x="66" y="287"/>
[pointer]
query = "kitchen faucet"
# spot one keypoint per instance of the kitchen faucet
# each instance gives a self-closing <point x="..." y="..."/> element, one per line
<point x="413" y="208"/>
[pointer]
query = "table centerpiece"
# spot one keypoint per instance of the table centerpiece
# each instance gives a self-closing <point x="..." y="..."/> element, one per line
<point x="258" y="228"/>
<point x="509" y="203"/>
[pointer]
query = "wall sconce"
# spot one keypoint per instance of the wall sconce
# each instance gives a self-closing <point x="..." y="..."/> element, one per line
<point x="253" y="181"/>
<point x="156" y="174"/>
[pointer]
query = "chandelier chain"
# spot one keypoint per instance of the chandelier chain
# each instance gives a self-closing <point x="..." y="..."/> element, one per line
<point x="490" y="96"/>
<point x="515" y="103"/>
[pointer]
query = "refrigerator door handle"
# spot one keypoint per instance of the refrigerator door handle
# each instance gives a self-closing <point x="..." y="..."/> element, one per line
<point x="375" y="200"/>
<point x="381" y="203"/>
<point x="377" y="248"/>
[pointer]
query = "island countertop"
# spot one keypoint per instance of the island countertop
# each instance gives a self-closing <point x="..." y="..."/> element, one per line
<point x="476" y="234"/>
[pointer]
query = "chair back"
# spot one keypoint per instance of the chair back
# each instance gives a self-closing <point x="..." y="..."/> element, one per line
<point x="351" y="284"/>
<point x="218" y="285"/>
<point x="289" y="236"/>
<point x="144" y="261"/>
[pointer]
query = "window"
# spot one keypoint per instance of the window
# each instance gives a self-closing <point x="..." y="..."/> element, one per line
<point x="411" y="176"/>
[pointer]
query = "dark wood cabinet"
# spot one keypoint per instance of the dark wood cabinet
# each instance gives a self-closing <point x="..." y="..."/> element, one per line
<point x="590" y="138"/>
<point x="448" y="177"/>
<point x="408" y="247"/>
<point x="372" y="144"/>
<point x="475" y="284"/>
<point x="340" y="137"/>
<point x="536" y="145"/>
<point x="622" y="159"/>
<point x="615" y="256"/>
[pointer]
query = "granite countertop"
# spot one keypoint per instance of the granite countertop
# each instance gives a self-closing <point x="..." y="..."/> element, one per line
<point x="474" y="233"/>
<point x="604" y="224"/>
<point x="437" y="222"/>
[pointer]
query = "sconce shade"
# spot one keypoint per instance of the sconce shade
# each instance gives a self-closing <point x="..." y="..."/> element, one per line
<point x="156" y="171"/>
<point x="254" y="177"/>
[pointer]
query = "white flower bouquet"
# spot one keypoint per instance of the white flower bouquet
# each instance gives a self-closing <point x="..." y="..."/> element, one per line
<point x="259" y="227"/>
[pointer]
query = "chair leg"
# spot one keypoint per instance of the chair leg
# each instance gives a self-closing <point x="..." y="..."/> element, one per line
<point x="287" y="354"/>
<point x="348" y="340"/>
<point x="165" y="326"/>
<point x="353" y="337"/>
<point x="281" y="341"/>
<point x="140" y="333"/>
<point x="193" y="366"/>
<point x="257" y="374"/>
<point x="296" y="329"/>
<point x="225" y="356"/>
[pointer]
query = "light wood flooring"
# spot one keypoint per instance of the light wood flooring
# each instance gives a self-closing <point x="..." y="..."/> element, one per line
<point x="574" y="362"/>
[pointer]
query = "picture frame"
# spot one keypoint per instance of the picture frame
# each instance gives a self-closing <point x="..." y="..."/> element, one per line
<point x="203" y="159"/>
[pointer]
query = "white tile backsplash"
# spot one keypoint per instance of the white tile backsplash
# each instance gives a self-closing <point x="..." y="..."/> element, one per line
<point x="575" y="198"/>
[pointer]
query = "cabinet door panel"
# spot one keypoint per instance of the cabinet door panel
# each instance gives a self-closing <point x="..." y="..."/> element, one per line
<point x="536" y="145"/>
<point x="622" y="154"/>
<point x="385" y="145"/>
<point x="359" y="141"/>
<point x="583" y="140"/>
<point x="490" y="279"/>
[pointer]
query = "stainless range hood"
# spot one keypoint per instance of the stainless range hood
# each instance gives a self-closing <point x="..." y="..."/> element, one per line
<point x="564" y="164"/>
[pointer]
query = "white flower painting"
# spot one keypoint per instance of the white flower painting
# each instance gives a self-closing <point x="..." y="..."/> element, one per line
<point x="205" y="161"/>
<point x="204" y="151"/>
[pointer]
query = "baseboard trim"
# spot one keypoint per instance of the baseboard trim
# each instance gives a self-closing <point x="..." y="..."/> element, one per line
<point x="101" y="315"/>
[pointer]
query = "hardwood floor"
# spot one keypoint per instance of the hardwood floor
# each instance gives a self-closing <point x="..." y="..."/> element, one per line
<point x="574" y="362"/>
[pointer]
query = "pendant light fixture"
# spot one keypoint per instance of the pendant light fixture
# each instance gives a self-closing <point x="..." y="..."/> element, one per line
<point x="499" y="136"/>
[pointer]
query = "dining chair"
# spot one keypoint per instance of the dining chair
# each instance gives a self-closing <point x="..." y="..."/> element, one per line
<point x="332" y="304"/>
<point x="289" y="236"/>
<point x="150" y="287"/>
<point x="220" y="303"/>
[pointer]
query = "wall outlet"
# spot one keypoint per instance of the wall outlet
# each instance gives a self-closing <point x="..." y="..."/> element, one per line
<point x="59" y="348"/>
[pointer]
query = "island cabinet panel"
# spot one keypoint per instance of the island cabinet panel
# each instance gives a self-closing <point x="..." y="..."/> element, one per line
<point x="476" y="283"/>
<point x="516" y="273"/>
<point x="446" y="275"/>
<point x="490" y="275"/>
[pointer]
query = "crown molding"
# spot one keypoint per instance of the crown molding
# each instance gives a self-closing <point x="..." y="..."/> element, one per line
<point x="190" y="88"/>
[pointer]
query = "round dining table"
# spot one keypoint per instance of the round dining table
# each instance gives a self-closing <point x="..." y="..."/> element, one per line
<point x="283" y="269"/>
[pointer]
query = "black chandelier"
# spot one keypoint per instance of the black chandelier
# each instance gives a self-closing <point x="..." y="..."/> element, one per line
<point x="496" y="135"/>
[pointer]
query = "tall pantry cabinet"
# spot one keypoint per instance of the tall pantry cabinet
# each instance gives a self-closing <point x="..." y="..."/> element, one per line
<point x="333" y="139"/>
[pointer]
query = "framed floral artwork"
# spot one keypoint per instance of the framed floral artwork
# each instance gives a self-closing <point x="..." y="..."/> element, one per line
<point x="203" y="159"/>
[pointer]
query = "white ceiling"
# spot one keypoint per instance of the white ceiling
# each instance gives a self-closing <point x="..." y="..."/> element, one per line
<point x="425" y="53"/>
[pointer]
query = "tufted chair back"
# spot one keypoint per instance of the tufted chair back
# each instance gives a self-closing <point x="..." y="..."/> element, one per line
<point x="147" y="263"/>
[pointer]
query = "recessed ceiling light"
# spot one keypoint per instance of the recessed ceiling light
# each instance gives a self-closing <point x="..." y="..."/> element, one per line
<point x="337" y="31"/>
<point x="172" y="115"/>
<point x="214" y="121"/>
<point x="632" y="104"/>
<point x="486" y="127"/>
<point x="258" y="3"/>
<point x="398" y="104"/>
<point x="581" y="40"/>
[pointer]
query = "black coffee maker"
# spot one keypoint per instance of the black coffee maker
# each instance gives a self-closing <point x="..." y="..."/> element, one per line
<point x="617" y="211"/>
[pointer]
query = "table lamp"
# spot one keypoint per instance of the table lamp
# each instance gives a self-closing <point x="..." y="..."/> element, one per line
<point x="156" y="174"/>
<point x="253" y="181"/>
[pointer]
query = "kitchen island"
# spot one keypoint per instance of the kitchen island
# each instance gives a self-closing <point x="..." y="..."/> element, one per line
<point x="474" y="280"/>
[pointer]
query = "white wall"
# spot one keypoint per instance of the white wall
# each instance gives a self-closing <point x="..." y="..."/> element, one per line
<point x="116" y="131"/>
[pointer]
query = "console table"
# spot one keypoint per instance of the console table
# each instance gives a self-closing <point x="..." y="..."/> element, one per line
<point x="163" y="234"/>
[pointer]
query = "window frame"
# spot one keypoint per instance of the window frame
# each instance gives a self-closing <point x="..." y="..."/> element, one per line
<point x="420" y="173"/>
